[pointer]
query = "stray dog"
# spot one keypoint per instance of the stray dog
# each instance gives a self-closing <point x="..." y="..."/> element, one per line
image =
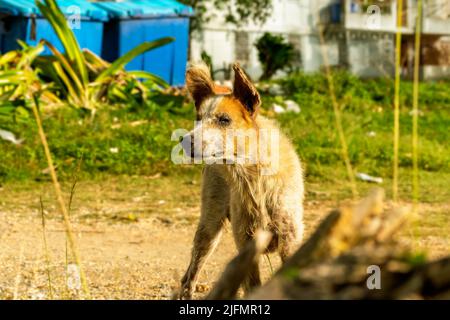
<point x="259" y="194"/>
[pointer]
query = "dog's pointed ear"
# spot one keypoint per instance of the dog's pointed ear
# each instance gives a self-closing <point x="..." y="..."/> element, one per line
<point x="199" y="83"/>
<point x="245" y="91"/>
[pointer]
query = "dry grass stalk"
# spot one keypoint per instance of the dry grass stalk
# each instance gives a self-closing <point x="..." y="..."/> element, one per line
<point x="337" y="114"/>
<point x="398" y="48"/>
<point x="18" y="278"/>
<point x="59" y="196"/>
<point x="46" y="251"/>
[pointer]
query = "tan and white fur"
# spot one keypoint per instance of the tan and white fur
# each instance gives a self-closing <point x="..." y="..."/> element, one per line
<point x="239" y="191"/>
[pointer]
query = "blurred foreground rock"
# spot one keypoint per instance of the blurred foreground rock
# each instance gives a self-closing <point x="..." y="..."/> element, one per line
<point x="353" y="254"/>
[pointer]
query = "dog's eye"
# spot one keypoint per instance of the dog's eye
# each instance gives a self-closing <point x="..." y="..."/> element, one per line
<point x="224" y="120"/>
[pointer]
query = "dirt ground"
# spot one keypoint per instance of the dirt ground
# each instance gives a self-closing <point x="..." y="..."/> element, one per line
<point x="134" y="236"/>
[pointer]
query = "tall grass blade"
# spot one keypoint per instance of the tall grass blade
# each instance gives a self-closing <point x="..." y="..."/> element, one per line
<point x="398" y="48"/>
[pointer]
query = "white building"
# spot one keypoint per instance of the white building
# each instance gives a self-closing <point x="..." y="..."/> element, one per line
<point x="357" y="36"/>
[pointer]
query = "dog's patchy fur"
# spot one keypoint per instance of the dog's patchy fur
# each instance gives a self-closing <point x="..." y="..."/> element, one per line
<point x="239" y="192"/>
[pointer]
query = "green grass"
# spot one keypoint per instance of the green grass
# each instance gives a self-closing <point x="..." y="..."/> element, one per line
<point x="313" y="133"/>
<point x="145" y="149"/>
<point x="141" y="149"/>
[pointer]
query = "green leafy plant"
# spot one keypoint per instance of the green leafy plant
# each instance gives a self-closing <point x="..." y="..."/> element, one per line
<point x="18" y="78"/>
<point x="76" y="77"/>
<point x="206" y="58"/>
<point x="225" y="70"/>
<point x="83" y="78"/>
<point x="274" y="53"/>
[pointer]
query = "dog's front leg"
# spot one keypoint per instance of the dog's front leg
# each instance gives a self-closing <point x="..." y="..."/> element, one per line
<point x="215" y="212"/>
<point x="206" y="239"/>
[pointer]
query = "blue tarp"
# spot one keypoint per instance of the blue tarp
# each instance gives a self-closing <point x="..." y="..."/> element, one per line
<point x="144" y="8"/>
<point x="28" y="8"/>
<point x="21" y="19"/>
<point x="109" y="29"/>
<point x="133" y="22"/>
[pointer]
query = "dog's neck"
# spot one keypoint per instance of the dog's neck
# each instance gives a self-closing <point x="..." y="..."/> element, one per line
<point x="250" y="182"/>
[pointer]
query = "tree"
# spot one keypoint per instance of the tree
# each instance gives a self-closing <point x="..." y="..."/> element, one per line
<point x="237" y="12"/>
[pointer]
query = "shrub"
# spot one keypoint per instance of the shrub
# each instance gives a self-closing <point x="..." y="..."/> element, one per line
<point x="274" y="53"/>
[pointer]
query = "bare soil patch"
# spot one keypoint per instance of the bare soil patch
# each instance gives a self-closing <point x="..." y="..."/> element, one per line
<point x="135" y="236"/>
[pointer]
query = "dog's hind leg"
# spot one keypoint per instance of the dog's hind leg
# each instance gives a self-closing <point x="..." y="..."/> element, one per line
<point x="290" y="233"/>
<point x="215" y="208"/>
<point x="254" y="278"/>
<point x="244" y="226"/>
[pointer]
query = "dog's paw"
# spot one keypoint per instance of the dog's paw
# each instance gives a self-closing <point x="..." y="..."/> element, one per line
<point x="182" y="294"/>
